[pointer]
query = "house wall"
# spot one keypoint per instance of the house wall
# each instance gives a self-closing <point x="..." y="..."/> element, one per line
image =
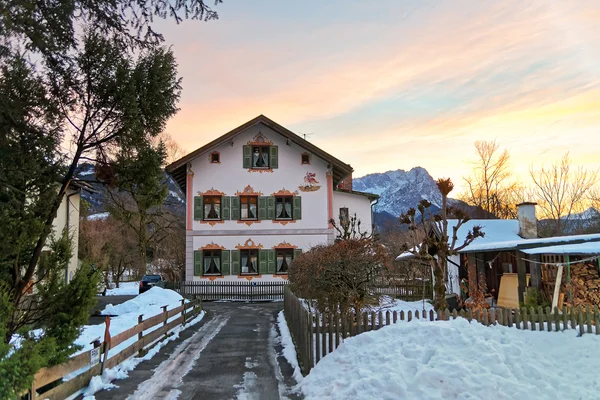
<point x="230" y="178"/>
<point x="68" y="214"/>
<point x="356" y="204"/>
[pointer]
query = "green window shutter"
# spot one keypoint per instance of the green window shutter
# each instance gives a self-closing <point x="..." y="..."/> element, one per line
<point x="225" y="262"/>
<point x="297" y="207"/>
<point x="198" y="208"/>
<point x="274" y="157"/>
<point x="235" y="262"/>
<point x="235" y="208"/>
<point x="263" y="256"/>
<point x="247" y="157"/>
<point x="297" y="252"/>
<point x="198" y="261"/>
<point x="262" y="207"/>
<point x="271" y="261"/>
<point x="226" y="207"/>
<point x="270" y="207"/>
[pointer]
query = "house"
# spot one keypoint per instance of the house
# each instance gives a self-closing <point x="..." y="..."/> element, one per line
<point x="513" y="249"/>
<point x="67" y="217"/>
<point x="259" y="195"/>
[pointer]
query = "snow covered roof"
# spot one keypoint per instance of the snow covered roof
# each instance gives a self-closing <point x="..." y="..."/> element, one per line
<point x="496" y="231"/>
<point x="579" y="248"/>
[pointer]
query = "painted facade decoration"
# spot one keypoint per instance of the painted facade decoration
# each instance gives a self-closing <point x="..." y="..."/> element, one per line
<point x="310" y="183"/>
<point x="250" y="226"/>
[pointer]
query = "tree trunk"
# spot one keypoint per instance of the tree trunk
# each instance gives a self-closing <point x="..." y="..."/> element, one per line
<point x="439" y="288"/>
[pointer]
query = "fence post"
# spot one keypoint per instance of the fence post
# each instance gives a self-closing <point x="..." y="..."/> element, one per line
<point x="164" y="308"/>
<point x="141" y="333"/>
<point x="183" y="312"/>
<point x="106" y="343"/>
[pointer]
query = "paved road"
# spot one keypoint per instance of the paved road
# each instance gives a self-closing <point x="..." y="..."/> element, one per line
<point x="233" y="354"/>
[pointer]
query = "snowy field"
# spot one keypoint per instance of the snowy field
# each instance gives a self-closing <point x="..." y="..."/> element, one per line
<point x="457" y="360"/>
<point x="125" y="288"/>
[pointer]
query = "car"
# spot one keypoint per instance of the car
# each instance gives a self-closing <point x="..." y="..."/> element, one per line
<point x="149" y="281"/>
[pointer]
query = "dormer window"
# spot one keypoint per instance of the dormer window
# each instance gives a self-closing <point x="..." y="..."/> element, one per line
<point x="305" y="158"/>
<point x="215" y="157"/>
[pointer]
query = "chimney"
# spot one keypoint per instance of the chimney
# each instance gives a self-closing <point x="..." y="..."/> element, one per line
<point x="527" y="220"/>
<point x="346" y="184"/>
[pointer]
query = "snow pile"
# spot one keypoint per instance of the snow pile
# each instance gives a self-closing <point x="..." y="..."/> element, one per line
<point x="121" y="371"/>
<point x="289" y="351"/>
<point x="125" y="289"/>
<point x="147" y="303"/>
<point x="457" y="360"/>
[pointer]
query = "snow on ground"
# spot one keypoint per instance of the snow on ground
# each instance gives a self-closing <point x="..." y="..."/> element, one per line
<point x="457" y="360"/>
<point x="148" y="303"/>
<point x="124" y="289"/>
<point x="391" y="304"/>
<point x="121" y="371"/>
<point x="289" y="351"/>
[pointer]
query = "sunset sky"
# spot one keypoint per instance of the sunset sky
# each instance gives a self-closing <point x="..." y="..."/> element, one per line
<point x="392" y="84"/>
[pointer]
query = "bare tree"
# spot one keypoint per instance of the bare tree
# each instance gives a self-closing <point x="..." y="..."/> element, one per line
<point x="561" y="191"/>
<point x="489" y="186"/>
<point x="173" y="150"/>
<point x="431" y="241"/>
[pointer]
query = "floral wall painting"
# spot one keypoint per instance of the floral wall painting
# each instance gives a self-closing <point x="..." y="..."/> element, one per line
<point x="310" y="183"/>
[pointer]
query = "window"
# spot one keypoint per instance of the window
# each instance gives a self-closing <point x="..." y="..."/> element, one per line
<point x="305" y="158"/>
<point x="249" y="262"/>
<point x="212" y="262"/>
<point x="248" y="207"/>
<point x="344" y="215"/>
<point x="284" y="259"/>
<point x="215" y="157"/>
<point x="284" y="207"/>
<point x="212" y="207"/>
<point x="260" y="157"/>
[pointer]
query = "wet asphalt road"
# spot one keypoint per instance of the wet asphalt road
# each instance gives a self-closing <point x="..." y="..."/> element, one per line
<point x="233" y="353"/>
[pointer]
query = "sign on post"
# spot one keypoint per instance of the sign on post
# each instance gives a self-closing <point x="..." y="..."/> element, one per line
<point x="94" y="356"/>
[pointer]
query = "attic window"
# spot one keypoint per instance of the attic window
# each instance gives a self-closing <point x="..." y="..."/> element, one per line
<point x="215" y="157"/>
<point x="305" y="158"/>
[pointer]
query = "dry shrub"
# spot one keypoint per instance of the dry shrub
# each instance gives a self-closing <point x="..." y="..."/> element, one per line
<point x="340" y="276"/>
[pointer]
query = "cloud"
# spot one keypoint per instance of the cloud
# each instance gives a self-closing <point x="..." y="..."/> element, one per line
<point x="395" y="76"/>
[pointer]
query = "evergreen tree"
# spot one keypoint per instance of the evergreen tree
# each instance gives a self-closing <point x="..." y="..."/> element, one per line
<point x="67" y="97"/>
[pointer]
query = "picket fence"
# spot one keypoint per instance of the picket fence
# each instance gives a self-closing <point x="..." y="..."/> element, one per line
<point x="316" y="335"/>
<point x="48" y="383"/>
<point x="231" y="290"/>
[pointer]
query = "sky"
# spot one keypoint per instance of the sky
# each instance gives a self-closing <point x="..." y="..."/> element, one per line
<point x="395" y="84"/>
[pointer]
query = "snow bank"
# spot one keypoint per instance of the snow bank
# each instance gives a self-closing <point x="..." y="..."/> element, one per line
<point x="125" y="289"/>
<point x="289" y="350"/>
<point x="457" y="360"/>
<point x="148" y="304"/>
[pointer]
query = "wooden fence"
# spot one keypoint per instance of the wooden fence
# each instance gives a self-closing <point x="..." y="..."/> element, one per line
<point x="231" y="290"/>
<point x="316" y="335"/>
<point x="408" y="291"/>
<point x="49" y="384"/>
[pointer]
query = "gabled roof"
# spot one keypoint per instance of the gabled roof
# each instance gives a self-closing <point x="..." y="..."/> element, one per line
<point x="178" y="168"/>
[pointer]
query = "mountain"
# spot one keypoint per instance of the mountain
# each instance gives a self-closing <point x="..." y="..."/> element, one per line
<point x="400" y="190"/>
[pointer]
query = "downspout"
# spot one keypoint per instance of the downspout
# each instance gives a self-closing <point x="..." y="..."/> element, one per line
<point x="372" y="212"/>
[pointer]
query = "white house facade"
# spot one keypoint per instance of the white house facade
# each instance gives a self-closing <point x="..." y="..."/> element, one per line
<point x="257" y="197"/>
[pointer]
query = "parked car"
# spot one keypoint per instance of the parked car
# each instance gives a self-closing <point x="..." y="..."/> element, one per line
<point x="149" y="281"/>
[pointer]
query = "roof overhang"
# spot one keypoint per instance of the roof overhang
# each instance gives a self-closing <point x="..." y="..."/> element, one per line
<point x="178" y="169"/>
